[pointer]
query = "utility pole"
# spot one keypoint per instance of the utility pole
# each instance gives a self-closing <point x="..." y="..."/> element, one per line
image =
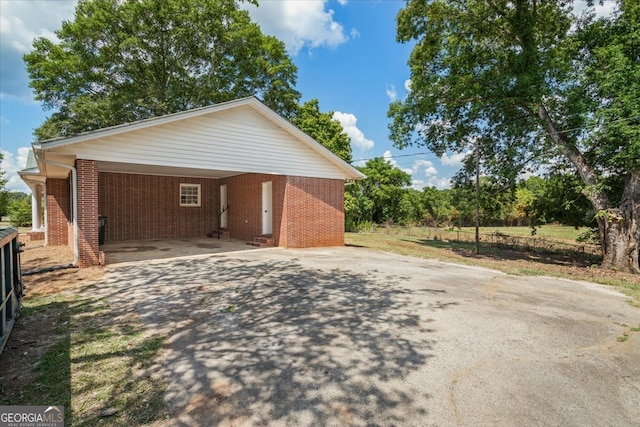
<point x="477" y="197"/>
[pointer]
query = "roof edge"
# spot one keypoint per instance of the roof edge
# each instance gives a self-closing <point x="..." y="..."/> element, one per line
<point x="141" y="124"/>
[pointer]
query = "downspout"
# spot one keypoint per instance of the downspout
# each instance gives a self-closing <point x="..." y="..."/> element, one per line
<point x="74" y="190"/>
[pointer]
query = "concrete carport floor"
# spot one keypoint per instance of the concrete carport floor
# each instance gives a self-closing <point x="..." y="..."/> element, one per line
<point x="145" y="250"/>
<point x="348" y="336"/>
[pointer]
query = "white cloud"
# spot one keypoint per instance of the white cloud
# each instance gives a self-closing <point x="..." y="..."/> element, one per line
<point x="20" y="23"/>
<point x="392" y="93"/>
<point x="11" y="165"/>
<point x="423" y="173"/>
<point x="349" y="123"/>
<point x="418" y="184"/>
<point x="439" y="183"/>
<point x="388" y="157"/>
<point x="407" y="85"/>
<point x="455" y="159"/>
<point x="299" y="23"/>
<point x="429" y="168"/>
<point x="342" y="2"/>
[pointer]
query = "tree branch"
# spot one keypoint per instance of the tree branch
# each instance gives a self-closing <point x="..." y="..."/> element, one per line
<point x="597" y="197"/>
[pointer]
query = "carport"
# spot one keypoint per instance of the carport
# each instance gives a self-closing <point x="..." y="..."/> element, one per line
<point x="236" y="166"/>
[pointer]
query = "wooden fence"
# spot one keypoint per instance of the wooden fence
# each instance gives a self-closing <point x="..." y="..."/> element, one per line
<point x="530" y="244"/>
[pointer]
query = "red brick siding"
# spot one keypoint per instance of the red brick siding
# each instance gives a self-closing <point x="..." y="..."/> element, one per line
<point x="145" y="207"/>
<point x="314" y="212"/>
<point x="58" y="212"/>
<point x="307" y="212"/>
<point x="244" y="195"/>
<point x="88" y="251"/>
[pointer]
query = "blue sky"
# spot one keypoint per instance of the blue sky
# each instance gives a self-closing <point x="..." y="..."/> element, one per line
<point x="345" y="51"/>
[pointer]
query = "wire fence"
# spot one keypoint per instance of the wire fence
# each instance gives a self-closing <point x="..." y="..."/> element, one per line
<point x="536" y="244"/>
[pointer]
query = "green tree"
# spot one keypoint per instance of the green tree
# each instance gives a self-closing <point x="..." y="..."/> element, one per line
<point x="411" y="210"/>
<point x="120" y="61"/>
<point x="519" y="210"/>
<point x="358" y="208"/>
<point x="463" y="200"/>
<point x="518" y="79"/>
<point x="494" y="201"/>
<point x="323" y="128"/>
<point x="380" y="197"/>
<point x="20" y="209"/>
<point x="558" y="198"/>
<point x="438" y="210"/>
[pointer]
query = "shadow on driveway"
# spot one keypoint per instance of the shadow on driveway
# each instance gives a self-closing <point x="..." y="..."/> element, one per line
<point x="264" y="341"/>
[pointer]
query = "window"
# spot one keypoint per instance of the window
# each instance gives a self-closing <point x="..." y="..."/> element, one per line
<point x="190" y="195"/>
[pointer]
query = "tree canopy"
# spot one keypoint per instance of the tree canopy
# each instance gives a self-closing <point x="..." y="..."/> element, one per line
<point x="382" y="196"/>
<point x="530" y="83"/>
<point x="323" y="128"/>
<point x="120" y="61"/>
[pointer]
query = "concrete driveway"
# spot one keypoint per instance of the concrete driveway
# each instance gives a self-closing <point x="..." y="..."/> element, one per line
<point x="347" y="336"/>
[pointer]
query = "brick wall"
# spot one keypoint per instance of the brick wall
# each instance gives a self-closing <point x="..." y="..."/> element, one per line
<point x="307" y="212"/>
<point x="88" y="250"/>
<point x="58" y="212"/>
<point x="314" y="212"/>
<point x="244" y="195"/>
<point x="144" y="207"/>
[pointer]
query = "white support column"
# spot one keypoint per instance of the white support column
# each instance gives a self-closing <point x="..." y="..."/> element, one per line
<point x="36" y="208"/>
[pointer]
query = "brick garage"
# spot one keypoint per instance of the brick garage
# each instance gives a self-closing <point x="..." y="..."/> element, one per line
<point x="162" y="178"/>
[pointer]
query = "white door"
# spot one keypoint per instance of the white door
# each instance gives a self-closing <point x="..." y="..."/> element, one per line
<point x="223" y="206"/>
<point x="267" y="216"/>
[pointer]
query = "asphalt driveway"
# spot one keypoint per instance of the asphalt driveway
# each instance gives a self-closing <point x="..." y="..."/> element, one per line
<point x="347" y="336"/>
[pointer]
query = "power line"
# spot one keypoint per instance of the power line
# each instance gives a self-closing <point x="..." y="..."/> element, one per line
<point x="622" y="119"/>
<point x="393" y="157"/>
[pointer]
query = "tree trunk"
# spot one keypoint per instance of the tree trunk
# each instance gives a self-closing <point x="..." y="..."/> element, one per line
<point x="620" y="230"/>
<point x="619" y="227"/>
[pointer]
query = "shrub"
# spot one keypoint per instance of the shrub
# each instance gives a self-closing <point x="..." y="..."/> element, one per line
<point x="20" y="212"/>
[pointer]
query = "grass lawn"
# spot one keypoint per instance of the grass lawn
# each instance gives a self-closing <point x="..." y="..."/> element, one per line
<point x="72" y="349"/>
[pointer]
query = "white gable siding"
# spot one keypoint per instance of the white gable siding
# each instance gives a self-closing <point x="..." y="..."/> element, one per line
<point x="240" y="139"/>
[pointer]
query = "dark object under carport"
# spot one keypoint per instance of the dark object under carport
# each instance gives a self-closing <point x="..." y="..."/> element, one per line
<point x="102" y="223"/>
<point x="10" y="281"/>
